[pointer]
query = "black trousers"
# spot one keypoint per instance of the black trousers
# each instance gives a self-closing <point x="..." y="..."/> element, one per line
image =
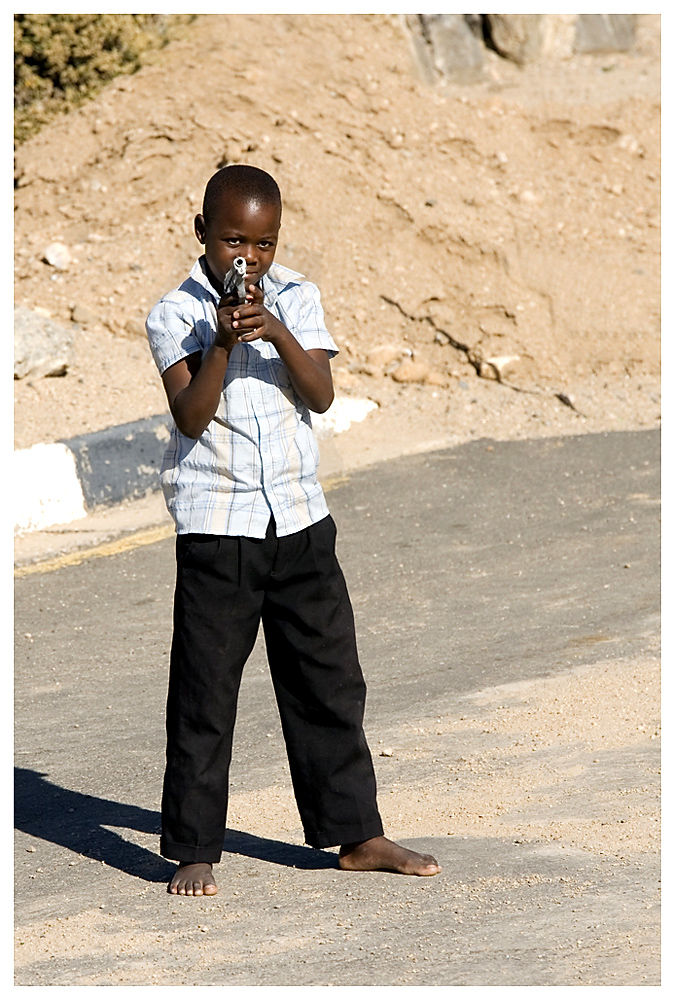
<point x="224" y="587"/>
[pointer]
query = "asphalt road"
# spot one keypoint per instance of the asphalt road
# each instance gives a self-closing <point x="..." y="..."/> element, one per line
<point x="478" y="565"/>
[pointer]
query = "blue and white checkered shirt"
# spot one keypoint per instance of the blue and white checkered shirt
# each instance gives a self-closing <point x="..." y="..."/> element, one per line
<point x="258" y="456"/>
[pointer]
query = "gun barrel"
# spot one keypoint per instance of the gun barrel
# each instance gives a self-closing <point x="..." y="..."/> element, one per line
<point x="234" y="282"/>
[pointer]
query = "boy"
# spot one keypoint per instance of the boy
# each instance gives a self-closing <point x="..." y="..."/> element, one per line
<point x="255" y="541"/>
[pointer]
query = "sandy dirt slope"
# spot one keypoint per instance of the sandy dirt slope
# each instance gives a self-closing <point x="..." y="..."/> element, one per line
<point x="446" y="225"/>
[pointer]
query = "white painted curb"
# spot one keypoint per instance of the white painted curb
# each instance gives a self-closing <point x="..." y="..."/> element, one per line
<point x="45" y="487"/>
<point x="341" y="414"/>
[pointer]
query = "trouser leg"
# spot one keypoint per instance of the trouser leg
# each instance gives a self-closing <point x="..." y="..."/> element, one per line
<point x="320" y="690"/>
<point x="216" y="617"/>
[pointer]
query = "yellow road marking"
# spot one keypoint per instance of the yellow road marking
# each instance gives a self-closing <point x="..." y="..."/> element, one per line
<point x="106" y="549"/>
<point x="333" y="482"/>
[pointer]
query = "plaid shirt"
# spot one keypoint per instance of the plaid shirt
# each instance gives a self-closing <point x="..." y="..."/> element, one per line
<point x="258" y="456"/>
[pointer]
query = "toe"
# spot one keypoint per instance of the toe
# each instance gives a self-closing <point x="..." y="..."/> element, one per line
<point x="190" y="882"/>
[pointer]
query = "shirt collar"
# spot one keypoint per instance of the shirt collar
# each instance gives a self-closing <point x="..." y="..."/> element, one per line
<point x="277" y="278"/>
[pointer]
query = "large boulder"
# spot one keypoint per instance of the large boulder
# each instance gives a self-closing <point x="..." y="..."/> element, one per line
<point x="523" y="38"/>
<point x="518" y="37"/>
<point x="604" y="32"/>
<point x="41" y="346"/>
<point x="447" y="45"/>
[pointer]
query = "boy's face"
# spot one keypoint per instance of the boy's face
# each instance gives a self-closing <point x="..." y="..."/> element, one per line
<point x="239" y="228"/>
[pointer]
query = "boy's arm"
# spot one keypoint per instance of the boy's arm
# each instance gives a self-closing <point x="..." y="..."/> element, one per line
<point x="309" y="370"/>
<point x="194" y="385"/>
<point x="314" y="382"/>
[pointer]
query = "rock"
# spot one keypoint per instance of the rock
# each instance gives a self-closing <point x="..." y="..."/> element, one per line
<point x="524" y="38"/>
<point x="630" y="143"/>
<point x="446" y="45"/>
<point x="475" y="24"/>
<point x="518" y="37"/>
<point x="496" y="367"/>
<point x="41" y="346"/>
<point x="58" y="255"/>
<point x="558" y="32"/>
<point x="383" y="354"/>
<point x="604" y="33"/>
<point x="411" y="371"/>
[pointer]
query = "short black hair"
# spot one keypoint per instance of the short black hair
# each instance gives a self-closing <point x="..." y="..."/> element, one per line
<point x="240" y="181"/>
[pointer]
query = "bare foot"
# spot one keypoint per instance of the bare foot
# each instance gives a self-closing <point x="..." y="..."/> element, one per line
<point x="379" y="853"/>
<point x="193" y="880"/>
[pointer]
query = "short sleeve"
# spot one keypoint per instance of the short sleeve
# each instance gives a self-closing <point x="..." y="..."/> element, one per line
<point x="171" y="334"/>
<point x="310" y="328"/>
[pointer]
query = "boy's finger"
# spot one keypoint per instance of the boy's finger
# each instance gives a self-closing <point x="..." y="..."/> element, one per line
<point x="247" y="325"/>
<point x="248" y="312"/>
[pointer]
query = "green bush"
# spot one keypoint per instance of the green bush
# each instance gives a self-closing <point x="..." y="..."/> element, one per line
<point x="62" y="59"/>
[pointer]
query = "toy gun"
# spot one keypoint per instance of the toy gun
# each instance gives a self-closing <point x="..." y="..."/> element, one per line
<point x="234" y="282"/>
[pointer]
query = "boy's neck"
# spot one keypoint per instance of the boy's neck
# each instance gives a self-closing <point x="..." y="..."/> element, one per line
<point x="218" y="285"/>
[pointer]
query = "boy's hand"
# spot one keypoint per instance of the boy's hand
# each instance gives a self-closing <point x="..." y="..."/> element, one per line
<point x="226" y="335"/>
<point x="252" y="321"/>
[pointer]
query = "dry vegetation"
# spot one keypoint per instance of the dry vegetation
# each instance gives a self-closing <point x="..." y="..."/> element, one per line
<point x="61" y="60"/>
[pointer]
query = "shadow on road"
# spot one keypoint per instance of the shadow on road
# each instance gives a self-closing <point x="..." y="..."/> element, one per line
<point x="277" y="852"/>
<point x="79" y="823"/>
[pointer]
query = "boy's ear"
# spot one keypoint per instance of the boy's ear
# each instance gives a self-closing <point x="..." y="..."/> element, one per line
<point x="200" y="228"/>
